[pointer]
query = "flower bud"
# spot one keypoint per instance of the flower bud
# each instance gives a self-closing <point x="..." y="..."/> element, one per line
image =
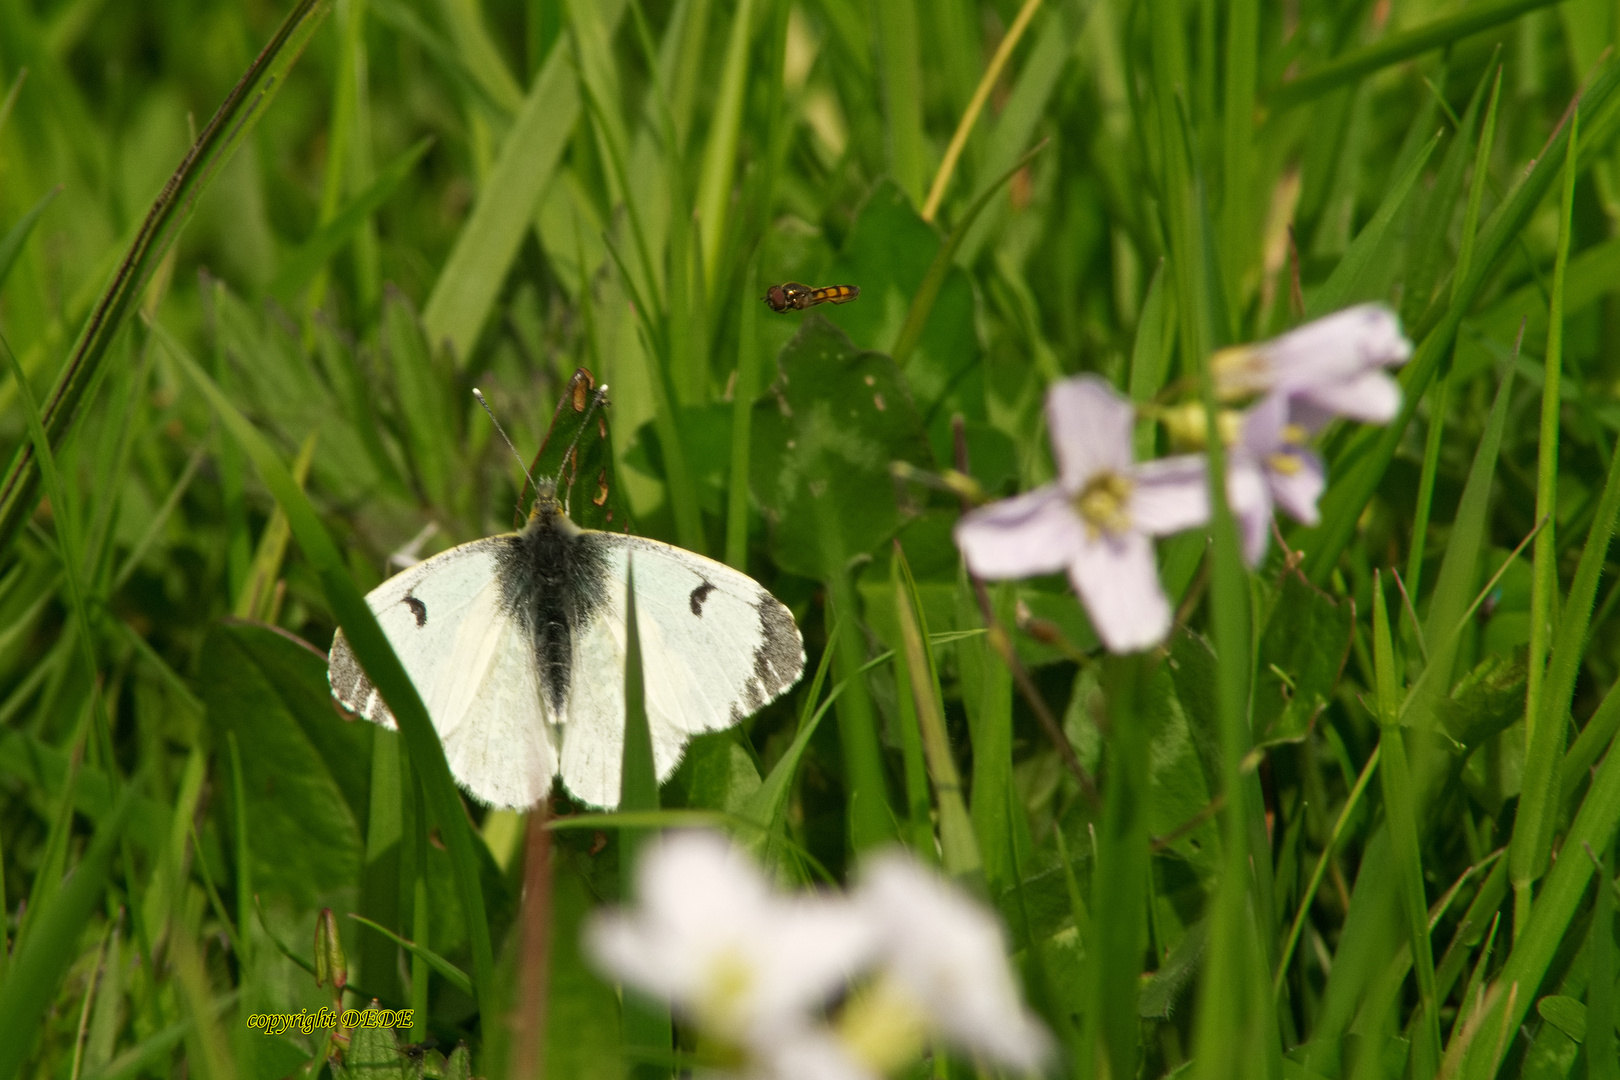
<point x="330" y="963"/>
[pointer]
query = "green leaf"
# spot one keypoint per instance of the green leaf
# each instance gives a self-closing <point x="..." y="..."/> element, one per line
<point x="1302" y="651"/>
<point x="457" y="977"/>
<point x="12" y="244"/>
<point x="834" y="420"/>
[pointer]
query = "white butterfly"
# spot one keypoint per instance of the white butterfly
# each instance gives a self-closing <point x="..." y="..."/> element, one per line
<point x="517" y="642"/>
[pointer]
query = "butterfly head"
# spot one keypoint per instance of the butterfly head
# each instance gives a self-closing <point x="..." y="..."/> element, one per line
<point x="548" y="511"/>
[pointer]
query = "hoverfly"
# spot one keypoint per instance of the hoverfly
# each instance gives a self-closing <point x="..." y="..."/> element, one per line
<point x="797" y="297"/>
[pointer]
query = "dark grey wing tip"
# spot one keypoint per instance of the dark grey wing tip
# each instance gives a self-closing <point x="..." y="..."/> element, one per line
<point x="779" y="659"/>
<point x="350" y="686"/>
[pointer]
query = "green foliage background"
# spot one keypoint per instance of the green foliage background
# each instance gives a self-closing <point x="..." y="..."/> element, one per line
<point x="1390" y="742"/>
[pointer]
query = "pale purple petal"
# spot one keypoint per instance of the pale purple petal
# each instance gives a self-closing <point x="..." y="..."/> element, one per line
<point x="1034" y="533"/>
<point x="1170" y="495"/>
<point x="1090" y="426"/>
<point x="1338" y="346"/>
<point x="1264" y="423"/>
<point x="1118" y="581"/>
<point x="1250" y="499"/>
<point x="1372" y="397"/>
<point x="1297" y="482"/>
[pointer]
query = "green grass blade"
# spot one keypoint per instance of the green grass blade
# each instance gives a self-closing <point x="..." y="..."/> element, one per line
<point x="465" y="290"/>
<point x="12" y="244"/>
<point x="1403" y="45"/>
<point x="720" y="152"/>
<point x="1342" y="505"/>
<point x="1400" y="810"/>
<point x="375" y="654"/>
<point x="1238" y="242"/>
<point x="480" y="54"/>
<point x="646" y="1023"/>
<point x="236" y="118"/>
<point x="1347" y="283"/>
<point x="1476" y="184"/>
<point x="922" y="304"/>
<point x="900" y="72"/>
<point x="52" y="945"/>
<point x="749" y="367"/>
<point x="959" y="848"/>
<point x="1120" y="883"/>
<point x="1602" y="1054"/>
<point x="457" y="977"/>
<point x="301" y="267"/>
<point x="1459" y="570"/>
<point x="1527" y="855"/>
<point x="1516" y="987"/>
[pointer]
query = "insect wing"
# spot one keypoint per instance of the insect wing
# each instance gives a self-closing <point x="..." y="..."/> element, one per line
<point x="578" y="453"/>
<point x="473" y="664"/>
<point x="716" y="647"/>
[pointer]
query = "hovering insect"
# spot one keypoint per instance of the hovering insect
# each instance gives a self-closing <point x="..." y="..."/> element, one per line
<point x="797" y="297"/>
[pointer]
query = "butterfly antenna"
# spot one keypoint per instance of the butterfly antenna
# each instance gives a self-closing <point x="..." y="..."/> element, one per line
<point x="479" y="394"/>
<point x="596" y="402"/>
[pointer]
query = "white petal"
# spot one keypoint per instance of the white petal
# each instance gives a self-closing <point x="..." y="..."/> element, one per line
<point x="806" y="1054"/>
<point x="1296" y="489"/>
<point x="1250" y="500"/>
<point x="1090" y="426"/>
<point x="1371" y="397"/>
<point x="1033" y="533"/>
<point x="1118" y="581"/>
<point x="815" y="946"/>
<point x="1170" y="495"/>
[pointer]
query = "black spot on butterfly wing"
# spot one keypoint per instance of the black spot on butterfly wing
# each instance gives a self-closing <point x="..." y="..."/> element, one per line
<point x="700" y="594"/>
<point x="418" y="609"/>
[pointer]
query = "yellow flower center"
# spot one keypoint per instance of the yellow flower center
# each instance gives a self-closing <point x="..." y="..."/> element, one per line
<point x="1101" y="504"/>
<point x="1189" y="427"/>
<point x="1287" y="464"/>
<point x="1239" y="371"/>
<point x="729" y="982"/>
<point x="883" y="1028"/>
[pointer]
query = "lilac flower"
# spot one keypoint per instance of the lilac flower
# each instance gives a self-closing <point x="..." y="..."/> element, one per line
<point x="1331" y="367"/>
<point x="711" y="937"/>
<point x="1270" y="465"/>
<point x="1097" y="520"/>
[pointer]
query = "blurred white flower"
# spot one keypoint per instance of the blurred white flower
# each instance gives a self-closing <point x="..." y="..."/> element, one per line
<point x="945" y="954"/>
<point x="709" y="936"/>
<point x="1097" y="520"/>
<point x="1331" y="367"/>
<point x="1271" y="466"/>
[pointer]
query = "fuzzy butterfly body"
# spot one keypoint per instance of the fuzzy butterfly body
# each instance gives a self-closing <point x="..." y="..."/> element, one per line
<point x="517" y="645"/>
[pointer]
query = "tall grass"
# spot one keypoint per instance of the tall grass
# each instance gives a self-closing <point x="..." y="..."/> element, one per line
<point x="1356" y="819"/>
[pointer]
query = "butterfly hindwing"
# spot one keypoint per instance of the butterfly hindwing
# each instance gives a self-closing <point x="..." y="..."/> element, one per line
<point x="716" y="647"/>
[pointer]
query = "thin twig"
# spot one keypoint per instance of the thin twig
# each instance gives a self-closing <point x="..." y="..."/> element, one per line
<point x="1210" y="809"/>
<point x="1003" y="646"/>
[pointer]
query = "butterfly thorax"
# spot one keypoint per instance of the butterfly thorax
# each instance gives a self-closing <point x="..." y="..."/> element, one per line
<point x="553" y="581"/>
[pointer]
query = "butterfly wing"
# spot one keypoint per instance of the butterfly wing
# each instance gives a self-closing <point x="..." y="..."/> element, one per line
<point x="474" y="666"/>
<point x="715" y="646"/>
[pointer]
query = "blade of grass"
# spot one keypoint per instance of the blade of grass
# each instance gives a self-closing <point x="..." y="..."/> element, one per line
<point x="257" y="600"/>
<point x="1544" y="745"/>
<point x="646" y="1023"/>
<point x="1238" y="244"/>
<point x="1120" y="878"/>
<point x="1402" y="45"/>
<point x="53" y="944"/>
<point x="742" y="418"/>
<point x="1400" y="810"/>
<point x="1345" y="500"/>
<point x="375" y="654"/>
<point x="231" y="124"/>
<point x="720" y="151"/>
<point x="457" y="977"/>
<point x="1549" y="922"/>
<point x="975" y="105"/>
<point x="11" y="246"/>
<point x="922" y="304"/>
<point x="310" y="258"/>
<point x="470" y="279"/>
<point x="959" y="849"/>
<point x="900" y="74"/>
